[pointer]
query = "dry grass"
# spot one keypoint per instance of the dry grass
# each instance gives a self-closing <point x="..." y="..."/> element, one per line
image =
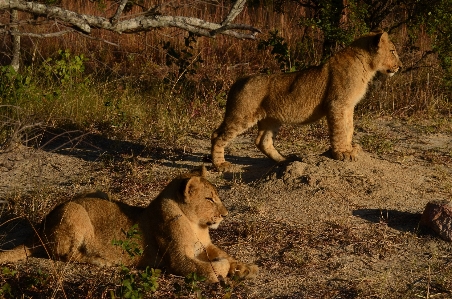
<point x="137" y="92"/>
<point x="129" y="94"/>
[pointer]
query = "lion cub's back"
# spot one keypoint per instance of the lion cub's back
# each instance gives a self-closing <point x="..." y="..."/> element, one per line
<point x="108" y="218"/>
<point x="294" y="97"/>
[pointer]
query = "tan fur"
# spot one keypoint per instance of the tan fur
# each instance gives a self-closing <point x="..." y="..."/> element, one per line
<point x="174" y="231"/>
<point x="332" y="90"/>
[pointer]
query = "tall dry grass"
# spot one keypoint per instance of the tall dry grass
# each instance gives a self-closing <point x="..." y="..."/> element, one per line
<point x="133" y="91"/>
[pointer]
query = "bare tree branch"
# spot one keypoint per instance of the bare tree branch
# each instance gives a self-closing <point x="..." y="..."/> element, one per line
<point x="73" y="18"/>
<point x="118" y="13"/>
<point x="56" y="34"/>
<point x="38" y="35"/>
<point x="85" y="22"/>
<point x="235" y="11"/>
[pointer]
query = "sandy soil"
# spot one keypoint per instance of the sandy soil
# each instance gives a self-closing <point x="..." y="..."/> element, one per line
<point x="316" y="227"/>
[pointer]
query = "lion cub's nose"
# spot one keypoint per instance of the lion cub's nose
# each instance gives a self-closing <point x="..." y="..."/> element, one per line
<point x="224" y="213"/>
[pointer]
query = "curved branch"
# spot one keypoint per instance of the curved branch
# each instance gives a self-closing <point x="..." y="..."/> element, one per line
<point x="235" y="11"/>
<point x="85" y="22"/>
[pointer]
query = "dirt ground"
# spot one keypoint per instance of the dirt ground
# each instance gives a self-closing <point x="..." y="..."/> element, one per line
<point x="316" y="227"/>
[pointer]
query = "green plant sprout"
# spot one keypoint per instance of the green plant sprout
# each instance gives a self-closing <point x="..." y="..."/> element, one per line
<point x="135" y="283"/>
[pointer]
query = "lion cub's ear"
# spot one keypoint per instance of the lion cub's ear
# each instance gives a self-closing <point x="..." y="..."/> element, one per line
<point x="201" y="171"/>
<point x="191" y="187"/>
<point x="380" y="39"/>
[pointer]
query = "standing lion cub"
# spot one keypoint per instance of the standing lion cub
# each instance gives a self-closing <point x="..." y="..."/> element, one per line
<point x="332" y="90"/>
<point x="174" y="231"/>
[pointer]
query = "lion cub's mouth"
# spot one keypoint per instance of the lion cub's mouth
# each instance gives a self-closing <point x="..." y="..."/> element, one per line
<point x="213" y="225"/>
<point x="392" y="71"/>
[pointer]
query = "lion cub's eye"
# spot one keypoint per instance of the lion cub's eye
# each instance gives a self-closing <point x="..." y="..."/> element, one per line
<point x="392" y="52"/>
<point x="210" y="199"/>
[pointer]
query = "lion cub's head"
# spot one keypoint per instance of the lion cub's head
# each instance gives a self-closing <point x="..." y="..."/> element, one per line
<point x="383" y="54"/>
<point x="199" y="200"/>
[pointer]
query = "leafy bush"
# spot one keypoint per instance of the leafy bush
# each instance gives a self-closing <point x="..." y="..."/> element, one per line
<point x="329" y="18"/>
<point x="135" y="283"/>
<point x="438" y="20"/>
<point x="280" y="50"/>
<point x="130" y="244"/>
<point x="5" y="289"/>
<point x="13" y="283"/>
<point x="66" y="69"/>
<point x="186" y="62"/>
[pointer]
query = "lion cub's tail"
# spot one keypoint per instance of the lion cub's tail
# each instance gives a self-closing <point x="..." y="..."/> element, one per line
<point x="18" y="253"/>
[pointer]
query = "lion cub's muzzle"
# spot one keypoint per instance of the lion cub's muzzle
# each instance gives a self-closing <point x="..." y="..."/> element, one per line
<point x="216" y="220"/>
<point x="394" y="70"/>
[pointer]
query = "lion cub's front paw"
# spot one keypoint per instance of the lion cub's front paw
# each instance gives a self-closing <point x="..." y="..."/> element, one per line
<point x="222" y="167"/>
<point x="347" y="155"/>
<point x="243" y="271"/>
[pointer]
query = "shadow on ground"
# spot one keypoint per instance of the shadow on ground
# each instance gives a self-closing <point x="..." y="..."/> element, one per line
<point x="92" y="147"/>
<point x="14" y="232"/>
<point x="401" y="221"/>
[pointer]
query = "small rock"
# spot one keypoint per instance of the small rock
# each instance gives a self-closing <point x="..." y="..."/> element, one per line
<point x="438" y="216"/>
<point x="294" y="171"/>
<point x="312" y="179"/>
<point x="7" y="164"/>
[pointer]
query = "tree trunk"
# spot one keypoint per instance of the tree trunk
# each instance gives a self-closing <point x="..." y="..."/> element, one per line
<point x="15" y="39"/>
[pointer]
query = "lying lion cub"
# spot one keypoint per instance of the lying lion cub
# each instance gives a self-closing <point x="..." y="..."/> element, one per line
<point x="332" y="90"/>
<point x="174" y="231"/>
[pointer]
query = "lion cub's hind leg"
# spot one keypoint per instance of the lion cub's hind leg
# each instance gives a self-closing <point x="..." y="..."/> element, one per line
<point x="219" y="142"/>
<point x="221" y="137"/>
<point x="68" y="235"/>
<point x="268" y="129"/>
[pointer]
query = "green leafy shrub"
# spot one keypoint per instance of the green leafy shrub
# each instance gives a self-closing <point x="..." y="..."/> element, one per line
<point x="5" y="289"/>
<point x="186" y="62"/>
<point x="130" y="244"/>
<point x="14" y="86"/>
<point x="190" y="286"/>
<point x="13" y="283"/>
<point x="280" y="50"/>
<point x="66" y="69"/>
<point x="437" y="18"/>
<point x="135" y="283"/>
<point x="328" y="17"/>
